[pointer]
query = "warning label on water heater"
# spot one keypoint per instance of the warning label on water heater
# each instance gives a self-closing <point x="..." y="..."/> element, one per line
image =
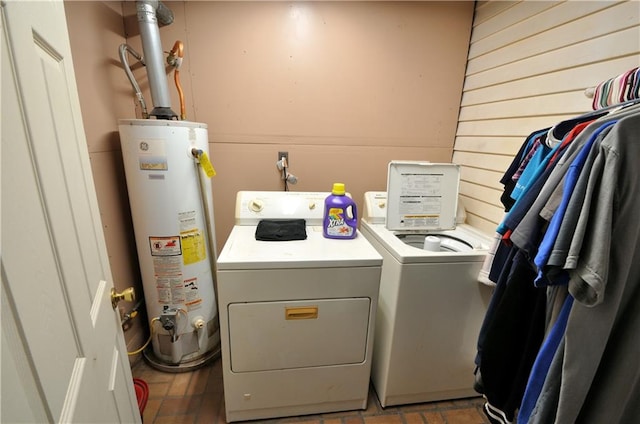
<point x="187" y="221"/>
<point x="169" y="254"/>
<point x="170" y="289"/>
<point x="167" y="268"/>
<point x="192" y="294"/>
<point x="165" y="246"/>
<point x="173" y="290"/>
<point x="194" y="247"/>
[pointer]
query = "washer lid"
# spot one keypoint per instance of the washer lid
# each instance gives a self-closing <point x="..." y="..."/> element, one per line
<point x="422" y="195"/>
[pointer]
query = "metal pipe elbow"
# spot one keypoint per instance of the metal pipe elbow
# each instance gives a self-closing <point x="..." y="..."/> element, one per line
<point x="163" y="14"/>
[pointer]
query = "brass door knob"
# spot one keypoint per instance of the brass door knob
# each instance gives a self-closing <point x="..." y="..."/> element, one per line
<point x="127" y="294"/>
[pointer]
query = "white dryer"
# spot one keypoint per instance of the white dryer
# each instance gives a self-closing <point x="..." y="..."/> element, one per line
<point x="431" y="305"/>
<point x="296" y="317"/>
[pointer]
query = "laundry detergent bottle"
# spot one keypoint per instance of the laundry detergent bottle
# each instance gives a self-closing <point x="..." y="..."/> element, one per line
<point x="340" y="215"/>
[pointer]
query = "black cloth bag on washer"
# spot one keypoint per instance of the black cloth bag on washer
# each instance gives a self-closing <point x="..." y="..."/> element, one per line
<point x="281" y="230"/>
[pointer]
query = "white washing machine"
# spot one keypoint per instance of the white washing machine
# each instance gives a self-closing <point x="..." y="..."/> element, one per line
<point x="296" y="317"/>
<point x="431" y="305"/>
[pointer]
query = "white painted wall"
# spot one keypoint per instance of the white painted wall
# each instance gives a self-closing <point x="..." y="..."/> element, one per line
<point x="528" y="67"/>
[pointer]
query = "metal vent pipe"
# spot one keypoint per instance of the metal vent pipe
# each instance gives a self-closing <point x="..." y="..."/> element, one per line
<point x="149" y="12"/>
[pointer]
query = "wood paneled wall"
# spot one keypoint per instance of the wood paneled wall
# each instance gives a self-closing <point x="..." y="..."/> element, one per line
<point x="529" y="65"/>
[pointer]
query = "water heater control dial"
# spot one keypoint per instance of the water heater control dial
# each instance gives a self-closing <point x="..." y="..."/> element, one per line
<point x="256" y="205"/>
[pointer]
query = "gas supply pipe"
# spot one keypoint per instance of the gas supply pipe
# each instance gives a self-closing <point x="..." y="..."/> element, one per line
<point x="175" y="59"/>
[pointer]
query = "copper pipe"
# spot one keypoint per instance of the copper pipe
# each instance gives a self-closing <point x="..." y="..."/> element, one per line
<point x="176" y="78"/>
<point x="175" y="60"/>
<point x="178" y="48"/>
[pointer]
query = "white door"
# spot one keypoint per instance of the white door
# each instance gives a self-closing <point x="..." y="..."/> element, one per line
<point x="63" y="352"/>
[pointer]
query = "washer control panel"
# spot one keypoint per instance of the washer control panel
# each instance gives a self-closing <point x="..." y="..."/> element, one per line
<point x="375" y="207"/>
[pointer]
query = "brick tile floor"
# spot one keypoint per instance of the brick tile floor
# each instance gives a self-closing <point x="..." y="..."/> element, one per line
<point x="196" y="397"/>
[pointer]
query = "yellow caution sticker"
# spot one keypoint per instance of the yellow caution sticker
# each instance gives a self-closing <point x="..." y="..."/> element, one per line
<point x="206" y="165"/>
<point x="193" y="247"/>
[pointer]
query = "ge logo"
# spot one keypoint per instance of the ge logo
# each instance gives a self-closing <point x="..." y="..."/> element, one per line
<point x="144" y="146"/>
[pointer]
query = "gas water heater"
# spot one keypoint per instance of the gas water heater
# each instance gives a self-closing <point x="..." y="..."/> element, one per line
<point x="172" y="213"/>
<point x="167" y="168"/>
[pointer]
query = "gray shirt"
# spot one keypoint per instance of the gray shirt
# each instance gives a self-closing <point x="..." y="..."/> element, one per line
<point x="571" y="218"/>
<point x="601" y="340"/>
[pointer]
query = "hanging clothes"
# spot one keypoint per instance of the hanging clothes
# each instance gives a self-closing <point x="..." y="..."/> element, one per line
<point x="530" y="342"/>
<point x="512" y="175"/>
<point x="570" y="181"/>
<point x="511" y="336"/>
<point x="601" y="337"/>
<point x="542" y="364"/>
<point x="624" y="87"/>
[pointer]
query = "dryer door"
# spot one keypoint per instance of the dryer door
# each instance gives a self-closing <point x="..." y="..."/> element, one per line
<point x="295" y="334"/>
